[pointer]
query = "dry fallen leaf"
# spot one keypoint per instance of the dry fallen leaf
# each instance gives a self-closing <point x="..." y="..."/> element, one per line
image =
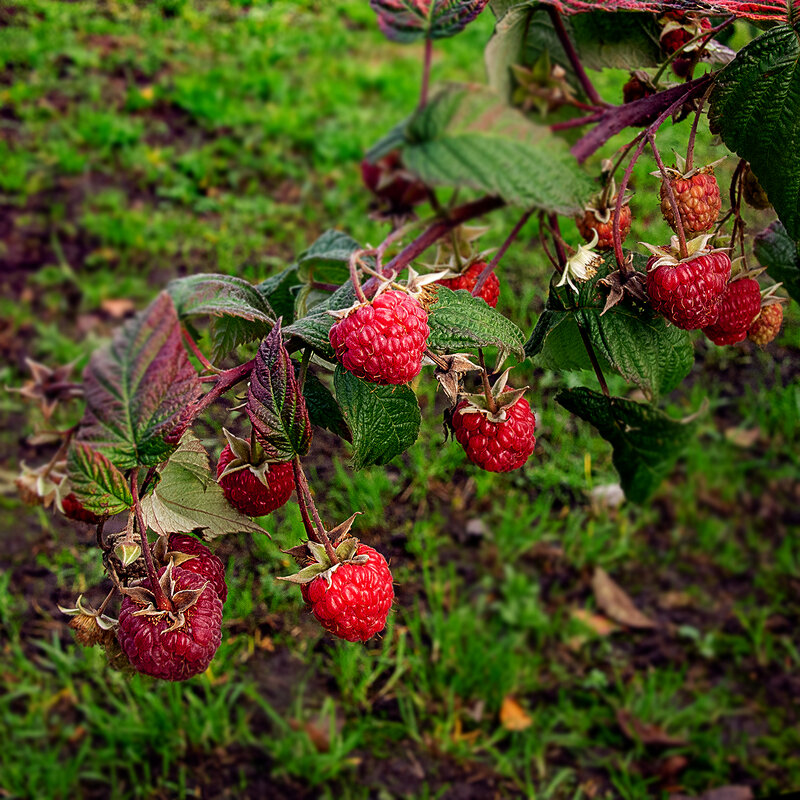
<point x="743" y="437"/>
<point x="117" y="308"/>
<point x="513" y="716"/>
<point x="612" y="599"/>
<point x="601" y="625"/>
<point x="644" y="732"/>
<point x="721" y="793"/>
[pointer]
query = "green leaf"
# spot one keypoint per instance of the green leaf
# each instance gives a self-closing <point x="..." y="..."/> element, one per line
<point x="325" y="262"/>
<point x="524" y="33"/>
<point x="755" y="106"/>
<point x="393" y="140"/>
<point x="315" y="327"/>
<point x="323" y="410"/>
<point x="97" y="483"/>
<point x="459" y="321"/>
<point x="781" y="256"/>
<point x="468" y="136"/>
<point x="275" y="404"/>
<point x="632" y="340"/>
<point x="384" y="420"/>
<point x="413" y="20"/>
<point x="239" y="312"/>
<point x="136" y="388"/>
<point x="279" y="291"/>
<point x="187" y="497"/>
<point x="646" y="441"/>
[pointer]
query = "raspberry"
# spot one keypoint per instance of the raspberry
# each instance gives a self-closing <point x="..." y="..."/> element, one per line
<point x="383" y="341"/>
<point x="490" y="291"/>
<point x="203" y="562"/>
<point x="246" y="493"/>
<point x="767" y="325"/>
<point x="636" y="89"/>
<point x="740" y="305"/>
<point x="355" y="604"/>
<point x="698" y="200"/>
<point x="603" y="223"/>
<point x="680" y="29"/>
<point x="389" y="183"/>
<point x="73" y="508"/>
<point x="688" y="293"/>
<point x="172" y="647"/>
<point x="496" y="446"/>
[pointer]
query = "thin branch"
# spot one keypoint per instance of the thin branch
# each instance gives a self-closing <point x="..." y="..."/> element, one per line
<point x="587" y="343"/>
<point x="162" y="601"/>
<point x="308" y="501"/>
<point x="353" y="264"/>
<point x="492" y="266"/>
<point x="574" y="58"/>
<point x="670" y="194"/>
<point x="196" y="351"/>
<point x="558" y="241"/>
<point x="487" y="389"/>
<point x="576" y="122"/>
<point x="426" y="72"/>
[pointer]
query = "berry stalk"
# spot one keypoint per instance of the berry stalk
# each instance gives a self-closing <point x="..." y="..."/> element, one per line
<point x="162" y="601"/>
<point x="315" y="530"/>
<point x="670" y="193"/>
<point x="490" y="267"/>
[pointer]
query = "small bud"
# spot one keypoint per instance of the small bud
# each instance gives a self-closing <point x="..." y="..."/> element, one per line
<point x="127" y="552"/>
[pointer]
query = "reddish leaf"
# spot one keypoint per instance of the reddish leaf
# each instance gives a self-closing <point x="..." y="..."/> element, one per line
<point x="275" y="404"/>
<point x="412" y="20"/>
<point x="137" y="386"/>
<point x="646" y="733"/>
<point x="768" y="10"/>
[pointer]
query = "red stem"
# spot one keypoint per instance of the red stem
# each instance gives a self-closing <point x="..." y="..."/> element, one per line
<point x="426" y="73"/>
<point x="196" y="350"/>
<point x="574" y="58"/>
<point x="670" y="193"/>
<point x="490" y="268"/>
<point x="306" y="500"/>
<point x="162" y="601"/>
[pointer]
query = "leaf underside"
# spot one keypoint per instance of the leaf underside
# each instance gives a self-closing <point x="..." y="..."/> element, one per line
<point x="137" y="386"/>
<point x="408" y="21"/>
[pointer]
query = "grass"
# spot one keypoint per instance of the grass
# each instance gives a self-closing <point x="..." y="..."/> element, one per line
<point x="140" y="142"/>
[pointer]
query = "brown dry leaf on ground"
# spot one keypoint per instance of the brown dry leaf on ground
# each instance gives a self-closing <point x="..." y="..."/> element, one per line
<point x="721" y="793"/>
<point x="612" y="599"/>
<point x="648" y="734"/>
<point x="513" y="716"/>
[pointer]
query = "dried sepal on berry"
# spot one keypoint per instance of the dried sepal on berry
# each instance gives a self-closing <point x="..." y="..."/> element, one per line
<point x="450" y="373"/>
<point x="182" y="599"/>
<point x="582" y="265"/>
<point x="502" y="399"/>
<point x="90" y="625"/>
<point x="628" y="283"/>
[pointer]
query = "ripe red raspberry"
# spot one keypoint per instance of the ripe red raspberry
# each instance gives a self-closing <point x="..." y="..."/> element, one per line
<point x="496" y="446"/>
<point x="680" y="30"/>
<point x="698" y="200"/>
<point x="203" y="563"/>
<point x="603" y="223"/>
<point x="73" y="508"/>
<point x="172" y="655"/>
<point x="387" y="180"/>
<point x="688" y="293"/>
<point x="247" y="494"/>
<point x="383" y="341"/>
<point x="490" y="291"/>
<point x="767" y="325"/>
<point x="740" y="305"/>
<point x="357" y="602"/>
